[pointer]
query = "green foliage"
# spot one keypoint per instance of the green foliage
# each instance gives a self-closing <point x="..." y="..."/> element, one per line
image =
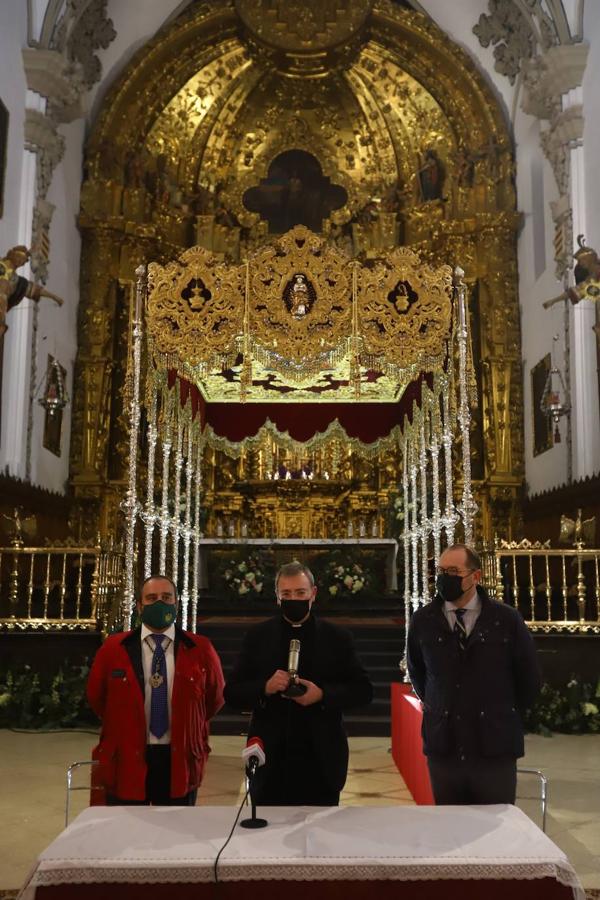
<point x="28" y="700"/>
<point x="574" y="709"/>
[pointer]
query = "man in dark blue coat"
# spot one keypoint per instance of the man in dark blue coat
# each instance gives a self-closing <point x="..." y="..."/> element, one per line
<point x="304" y="738"/>
<point x="473" y="664"/>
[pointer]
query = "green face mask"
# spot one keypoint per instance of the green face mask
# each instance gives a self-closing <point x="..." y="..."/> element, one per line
<point x="159" y="614"/>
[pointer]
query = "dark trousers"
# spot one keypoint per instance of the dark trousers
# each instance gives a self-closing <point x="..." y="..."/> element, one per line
<point x="458" y="781"/>
<point x="158" y="782"/>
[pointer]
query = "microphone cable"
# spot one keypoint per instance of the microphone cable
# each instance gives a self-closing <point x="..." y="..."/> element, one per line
<point x="218" y="856"/>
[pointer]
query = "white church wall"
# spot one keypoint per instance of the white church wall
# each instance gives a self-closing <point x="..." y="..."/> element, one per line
<point x="537" y="280"/>
<point x="590" y="200"/>
<point x="13" y="90"/>
<point x="135" y="22"/>
<point x="21" y="449"/>
<point x="591" y="128"/>
<point x="536" y="187"/>
<point x="458" y="25"/>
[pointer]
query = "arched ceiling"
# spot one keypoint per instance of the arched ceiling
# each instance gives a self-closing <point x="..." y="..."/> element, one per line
<point x="367" y="88"/>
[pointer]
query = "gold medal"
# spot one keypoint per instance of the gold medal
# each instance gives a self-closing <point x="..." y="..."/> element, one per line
<point x="156" y="679"/>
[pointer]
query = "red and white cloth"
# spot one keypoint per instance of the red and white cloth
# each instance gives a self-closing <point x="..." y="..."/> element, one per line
<point x="134" y="845"/>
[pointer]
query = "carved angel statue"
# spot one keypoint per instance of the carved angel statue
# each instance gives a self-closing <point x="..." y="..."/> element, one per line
<point x="577" y="532"/>
<point x="587" y="277"/>
<point x="14" y="287"/>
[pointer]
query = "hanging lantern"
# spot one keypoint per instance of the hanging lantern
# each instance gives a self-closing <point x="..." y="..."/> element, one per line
<point x="54" y="397"/>
<point x="555" y="403"/>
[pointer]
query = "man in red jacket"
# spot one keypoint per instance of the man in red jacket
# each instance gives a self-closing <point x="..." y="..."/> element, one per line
<point x="155" y="689"/>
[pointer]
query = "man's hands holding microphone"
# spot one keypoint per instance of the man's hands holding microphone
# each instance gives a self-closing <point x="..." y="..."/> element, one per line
<point x="280" y="680"/>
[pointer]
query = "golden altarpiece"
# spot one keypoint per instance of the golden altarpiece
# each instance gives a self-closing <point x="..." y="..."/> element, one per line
<point x="359" y="121"/>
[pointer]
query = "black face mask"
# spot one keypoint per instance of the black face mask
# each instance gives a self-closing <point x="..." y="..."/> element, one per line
<point x="449" y="587"/>
<point x="295" y="610"/>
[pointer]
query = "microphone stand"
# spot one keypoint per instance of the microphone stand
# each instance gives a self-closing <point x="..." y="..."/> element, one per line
<point x="254" y="821"/>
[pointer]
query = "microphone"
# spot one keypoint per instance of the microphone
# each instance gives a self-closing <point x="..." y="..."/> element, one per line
<point x="293" y="689"/>
<point x="253" y="755"/>
<point x="293" y="658"/>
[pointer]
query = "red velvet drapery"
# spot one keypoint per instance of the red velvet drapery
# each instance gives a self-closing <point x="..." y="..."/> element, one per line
<point x="367" y="422"/>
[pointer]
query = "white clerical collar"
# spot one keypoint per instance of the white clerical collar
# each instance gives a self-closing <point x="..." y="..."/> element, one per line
<point x="170" y="632"/>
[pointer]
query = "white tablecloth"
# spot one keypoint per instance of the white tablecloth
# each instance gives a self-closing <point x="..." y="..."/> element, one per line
<point x="174" y="844"/>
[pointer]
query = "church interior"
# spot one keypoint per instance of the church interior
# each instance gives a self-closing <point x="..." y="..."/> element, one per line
<point x="287" y="280"/>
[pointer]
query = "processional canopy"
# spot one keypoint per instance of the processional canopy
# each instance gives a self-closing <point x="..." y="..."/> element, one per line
<point x="298" y="321"/>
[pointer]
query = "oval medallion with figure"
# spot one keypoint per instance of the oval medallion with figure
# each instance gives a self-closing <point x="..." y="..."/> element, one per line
<point x="299" y="295"/>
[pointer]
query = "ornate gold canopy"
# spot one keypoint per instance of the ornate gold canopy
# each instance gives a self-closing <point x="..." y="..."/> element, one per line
<point x="297" y="312"/>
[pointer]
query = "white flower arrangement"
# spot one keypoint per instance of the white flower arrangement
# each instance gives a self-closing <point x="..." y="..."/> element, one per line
<point x="346" y="579"/>
<point x="245" y="577"/>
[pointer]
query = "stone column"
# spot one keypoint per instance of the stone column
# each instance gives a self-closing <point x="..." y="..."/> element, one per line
<point x="17" y="366"/>
<point x="585" y="403"/>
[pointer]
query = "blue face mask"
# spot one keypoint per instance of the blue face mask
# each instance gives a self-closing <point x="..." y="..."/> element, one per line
<point x="159" y="615"/>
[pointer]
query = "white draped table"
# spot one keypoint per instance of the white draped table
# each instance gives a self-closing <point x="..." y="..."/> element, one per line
<point x="341" y="851"/>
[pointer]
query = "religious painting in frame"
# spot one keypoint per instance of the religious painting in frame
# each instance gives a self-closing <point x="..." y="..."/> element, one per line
<point x="3" y="152"/>
<point x="542" y="426"/>
<point x="53" y="417"/>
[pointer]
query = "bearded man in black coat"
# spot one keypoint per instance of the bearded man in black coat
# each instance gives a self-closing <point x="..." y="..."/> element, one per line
<point x="305" y="742"/>
<point x="473" y="664"/>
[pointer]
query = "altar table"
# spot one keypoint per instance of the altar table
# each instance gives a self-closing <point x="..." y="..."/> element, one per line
<point x="388" y="544"/>
<point x="333" y="853"/>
